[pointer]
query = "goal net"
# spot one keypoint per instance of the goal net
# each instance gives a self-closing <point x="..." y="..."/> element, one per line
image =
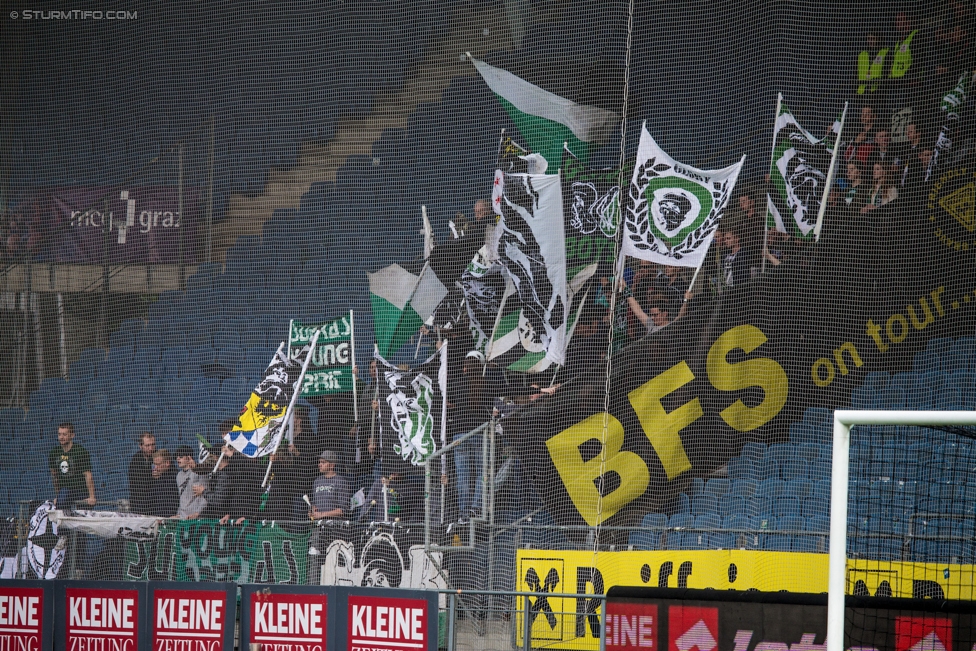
<point x="902" y="515"/>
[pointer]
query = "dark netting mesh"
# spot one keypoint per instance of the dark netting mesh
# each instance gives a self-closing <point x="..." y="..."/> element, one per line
<point x="486" y="296"/>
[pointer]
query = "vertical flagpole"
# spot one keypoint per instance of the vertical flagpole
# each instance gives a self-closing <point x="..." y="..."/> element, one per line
<point x="291" y="327"/>
<point x="772" y="154"/>
<point x="442" y="381"/>
<point x="291" y="404"/>
<point x="352" y="346"/>
<point x="830" y="177"/>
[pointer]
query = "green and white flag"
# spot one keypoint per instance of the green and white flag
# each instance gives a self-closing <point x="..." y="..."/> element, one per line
<point x="402" y="302"/>
<point x="532" y="250"/>
<point x="413" y="396"/>
<point x="330" y="369"/>
<point x="546" y="120"/>
<point x="952" y="104"/>
<point x="673" y="209"/>
<point x="798" y="175"/>
<point x="511" y="349"/>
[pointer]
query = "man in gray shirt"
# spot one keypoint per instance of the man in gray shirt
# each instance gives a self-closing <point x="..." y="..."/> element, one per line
<point x="330" y="493"/>
<point x="330" y="501"/>
<point x="192" y="502"/>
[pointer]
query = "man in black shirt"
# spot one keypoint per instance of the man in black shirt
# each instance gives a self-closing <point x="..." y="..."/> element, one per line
<point x="71" y="472"/>
<point x="140" y="472"/>
<point x="164" y="495"/>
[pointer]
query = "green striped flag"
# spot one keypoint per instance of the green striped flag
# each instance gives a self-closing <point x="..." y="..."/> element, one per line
<point x="402" y="302"/>
<point x="545" y="120"/>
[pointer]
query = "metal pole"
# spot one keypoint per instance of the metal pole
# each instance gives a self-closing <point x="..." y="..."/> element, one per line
<point x="526" y="625"/>
<point x="451" y="618"/>
<point x="772" y="154"/>
<point x="837" y="563"/>
<point x="830" y="177"/>
<point x="210" y="183"/>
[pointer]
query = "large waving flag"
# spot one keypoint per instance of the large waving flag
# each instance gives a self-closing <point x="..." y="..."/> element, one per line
<point x="798" y="175"/>
<point x="546" y="120"/>
<point x="413" y="396"/>
<point x="402" y="302"/>
<point x="532" y="251"/>
<point x="673" y="208"/>
<point x="259" y="428"/>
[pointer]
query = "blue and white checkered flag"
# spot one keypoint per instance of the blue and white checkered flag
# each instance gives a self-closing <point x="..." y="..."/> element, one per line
<point x="262" y="421"/>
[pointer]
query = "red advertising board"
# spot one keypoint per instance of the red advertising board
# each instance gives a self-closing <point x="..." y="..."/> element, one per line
<point x="692" y="628"/>
<point x="923" y="634"/>
<point x="189" y="620"/>
<point x="632" y="625"/>
<point x="21" y="618"/>
<point x="386" y="623"/>
<point x="281" y="621"/>
<point x="103" y="619"/>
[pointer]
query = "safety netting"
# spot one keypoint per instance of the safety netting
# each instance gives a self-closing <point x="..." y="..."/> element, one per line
<point x="486" y="296"/>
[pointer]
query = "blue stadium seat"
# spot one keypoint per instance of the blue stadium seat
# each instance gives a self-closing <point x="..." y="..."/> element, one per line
<point x="906" y="381"/>
<point x="815" y="507"/>
<point x="676" y="539"/>
<point x="733" y="505"/>
<point x="144" y="363"/>
<point x="771" y="488"/>
<point x="705" y="525"/>
<point x="717" y="487"/>
<point x="754" y="452"/>
<point x="745" y="487"/>
<point x="877" y="380"/>
<point x="795" y="469"/>
<point x="798" y="488"/>
<point x="927" y="360"/>
<point x="697" y="487"/>
<point x="650" y="534"/>
<point x="864" y="398"/>
<point x="788" y="506"/>
<point x="704" y="504"/>
<point x="741" y="468"/>
<point x="814" y="538"/>
<point x="174" y="363"/>
<point x="892" y="398"/>
<point x="776" y="541"/>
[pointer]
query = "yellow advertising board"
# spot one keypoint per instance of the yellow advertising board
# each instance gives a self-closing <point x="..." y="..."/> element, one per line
<point x="572" y="623"/>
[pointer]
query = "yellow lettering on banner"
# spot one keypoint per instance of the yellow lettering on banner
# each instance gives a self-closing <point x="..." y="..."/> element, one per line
<point x="763" y="372"/>
<point x="662" y="428"/>
<point x="581" y="477"/>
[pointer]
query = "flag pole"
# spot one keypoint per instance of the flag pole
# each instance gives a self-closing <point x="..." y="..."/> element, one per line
<point x="376" y="395"/>
<point x="772" y="154"/>
<point x="830" y="177"/>
<point x="352" y="346"/>
<point x="289" y="413"/>
<point x="442" y="380"/>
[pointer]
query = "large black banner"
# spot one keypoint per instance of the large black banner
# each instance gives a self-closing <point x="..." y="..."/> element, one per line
<point x="743" y="364"/>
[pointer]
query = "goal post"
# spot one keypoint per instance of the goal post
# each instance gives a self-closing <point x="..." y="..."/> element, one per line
<point x="844" y="420"/>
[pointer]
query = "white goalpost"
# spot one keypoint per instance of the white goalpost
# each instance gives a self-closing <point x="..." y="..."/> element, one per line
<point x="839" y="478"/>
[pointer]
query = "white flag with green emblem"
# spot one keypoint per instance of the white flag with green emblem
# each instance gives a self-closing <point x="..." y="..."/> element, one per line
<point x="798" y="176"/>
<point x="673" y="209"/>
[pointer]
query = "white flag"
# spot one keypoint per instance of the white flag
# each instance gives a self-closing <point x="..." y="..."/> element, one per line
<point x="673" y="209"/>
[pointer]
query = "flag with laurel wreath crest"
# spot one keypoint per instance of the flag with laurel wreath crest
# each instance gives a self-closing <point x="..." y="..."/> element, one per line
<point x="673" y="209"/>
